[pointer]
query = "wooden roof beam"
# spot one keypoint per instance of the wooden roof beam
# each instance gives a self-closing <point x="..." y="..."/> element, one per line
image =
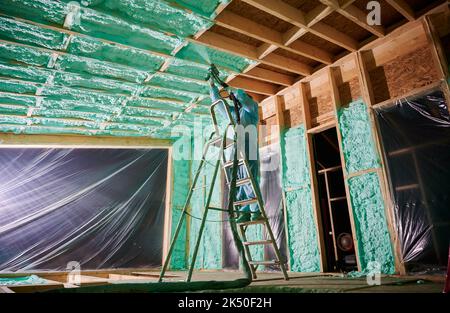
<point x="355" y="15"/>
<point x="403" y="8"/>
<point x="253" y="29"/>
<point x="296" y="17"/>
<point x="233" y="46"/>
<point x="270" y="76"/>
<point x="254" y="86"/>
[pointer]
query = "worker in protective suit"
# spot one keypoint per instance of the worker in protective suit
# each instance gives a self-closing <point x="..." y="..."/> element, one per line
<point x="248" y="113"/>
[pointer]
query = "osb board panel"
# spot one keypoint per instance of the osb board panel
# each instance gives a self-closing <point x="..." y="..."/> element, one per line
<point x="297" y="57"/>
<point x="291" y="97"/>
<point x="292" y="108"/>
<point x="259" y="16"/>
<point x="346" y="26"/>
<point x="446" y="46"/>
<point x="292" y="117"/>
<point x="423" y="5"/>
<point x="235" y="35"/>
<point x="319" y="106"/>
<point x="402" y="44"/>
<point x="349" y="91"/>
<point x="404" y="74"/>
<point x="322" y="43"/>
<point x="304" y="5"/>
<point x="278" y="70"/>
<point x="268" y="108"/>
<point x="389" y="16"/>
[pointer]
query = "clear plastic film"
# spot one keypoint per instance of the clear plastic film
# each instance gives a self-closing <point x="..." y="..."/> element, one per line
<point x="102" y="208"/>
<point x="416" y="140"/>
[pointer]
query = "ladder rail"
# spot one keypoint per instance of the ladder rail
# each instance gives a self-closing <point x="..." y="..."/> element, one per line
<point x="184" y="211"/>
<point x="206" y="210"/>
<point x="239" y="160"/>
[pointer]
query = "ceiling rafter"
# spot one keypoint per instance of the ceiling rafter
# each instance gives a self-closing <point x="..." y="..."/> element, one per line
<point x="355" y="15"/>
<point x="253" y="29"/>
<point x="298" y="18"/>
<point x="403" y="8"/>
<point x="234" y="46"/>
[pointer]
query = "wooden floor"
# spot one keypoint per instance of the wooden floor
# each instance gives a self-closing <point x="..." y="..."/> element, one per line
<point x="266" y="282"/>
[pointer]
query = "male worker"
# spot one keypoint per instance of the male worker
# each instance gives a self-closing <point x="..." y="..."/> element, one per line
<point x="249" y="117"/>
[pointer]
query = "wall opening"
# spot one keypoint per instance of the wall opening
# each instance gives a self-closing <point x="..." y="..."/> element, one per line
<point x="336" y="226"/>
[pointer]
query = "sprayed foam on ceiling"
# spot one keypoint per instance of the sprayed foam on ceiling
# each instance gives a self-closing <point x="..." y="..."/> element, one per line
<point x="104" y="67"/>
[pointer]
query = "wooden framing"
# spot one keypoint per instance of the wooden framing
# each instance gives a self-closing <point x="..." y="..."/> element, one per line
<point x="354" y="72"/>
<point x="306" y="119"/>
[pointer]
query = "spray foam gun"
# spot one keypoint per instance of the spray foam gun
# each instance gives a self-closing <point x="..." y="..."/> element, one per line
<point x="214" y="76"/>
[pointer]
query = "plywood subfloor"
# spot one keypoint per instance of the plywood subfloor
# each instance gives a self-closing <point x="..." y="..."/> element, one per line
<point x="266" y="282"/>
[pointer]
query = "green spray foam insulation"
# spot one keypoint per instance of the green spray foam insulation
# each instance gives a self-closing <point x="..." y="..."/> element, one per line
<point x="91" y="22"/>
<point x="193" y="70"/>
<point x="374" y="244"/>
<point x="181" y="181"/>
<point x="360" y="154"/>
<point x="176" y="82"/>
<point x="302" y="233"/>
<point x="357" y="138"/>
<point x="198" y="53"/>
<point x="205" y="8"/>
<point x="111" y="54"/>
<point x="153" y="14"/>
<point x="210" y="249"/>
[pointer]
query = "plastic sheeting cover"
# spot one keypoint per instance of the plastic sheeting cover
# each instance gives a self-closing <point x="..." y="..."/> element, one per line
<point x="416" y="139"/>
<point x="102" y="208"/>
<point x="302" y="233"/>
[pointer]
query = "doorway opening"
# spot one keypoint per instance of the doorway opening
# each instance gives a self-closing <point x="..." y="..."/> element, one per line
<point x="336" y="226"/>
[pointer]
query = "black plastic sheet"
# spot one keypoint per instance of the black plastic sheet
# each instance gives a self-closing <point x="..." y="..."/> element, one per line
<point x="102" y="208"/>
<point x="416" y="141"/>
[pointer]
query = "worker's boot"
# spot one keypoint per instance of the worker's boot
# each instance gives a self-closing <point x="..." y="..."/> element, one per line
<point x="256" y="216"/>
<point x="243" y="217"/>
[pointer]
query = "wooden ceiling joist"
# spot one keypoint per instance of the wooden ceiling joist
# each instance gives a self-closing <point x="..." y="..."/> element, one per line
<point x="254" y="86"/>
<point x="357" y="16"/>
<point x="270" y="76"/>
<point x="252" y="29"/>
<point x="230" y="45"/>
<point x="403" y="8"/>
<point x="297" y="17"/>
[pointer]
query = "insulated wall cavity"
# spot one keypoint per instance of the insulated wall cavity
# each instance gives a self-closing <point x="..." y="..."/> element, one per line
<point x="302" y="232"/>
<point x="181" y="183"/>
<point x="210" y="249"/>
<point x="368" y="205"/>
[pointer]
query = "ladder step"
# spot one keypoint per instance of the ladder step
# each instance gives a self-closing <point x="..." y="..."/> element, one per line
<point x="230" y="163"/>
<point x="260" y="221"/>
<point x="246" y="201"/>
<point x="222" y="210"/>
<point x="242" y="182"/>
<point x="260" y="242"/>
<point x="273" y="262"/>
<point x="217" y="142"/>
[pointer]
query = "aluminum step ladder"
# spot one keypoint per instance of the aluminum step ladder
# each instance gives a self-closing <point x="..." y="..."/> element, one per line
<point x="223" y="142"/>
